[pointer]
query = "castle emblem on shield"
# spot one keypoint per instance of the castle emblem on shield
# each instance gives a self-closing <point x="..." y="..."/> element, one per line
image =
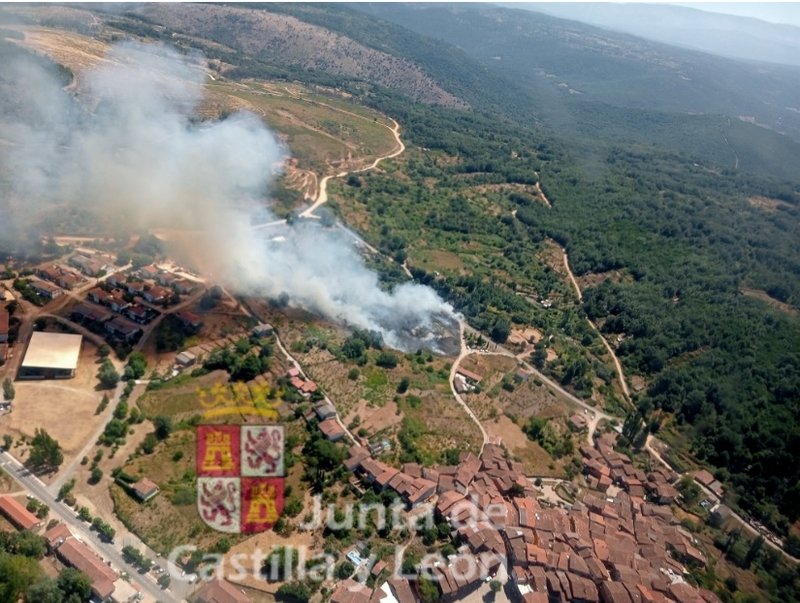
<point x="240" y="475"/>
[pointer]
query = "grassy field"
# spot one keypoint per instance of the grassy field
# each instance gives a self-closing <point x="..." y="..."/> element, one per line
<point x="325" y="134"/>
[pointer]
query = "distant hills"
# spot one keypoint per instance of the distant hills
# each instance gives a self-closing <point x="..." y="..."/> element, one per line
<point x="724" y="35"/>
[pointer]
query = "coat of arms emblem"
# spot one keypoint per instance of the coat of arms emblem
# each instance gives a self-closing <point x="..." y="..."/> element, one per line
<point x="240" y="476"/>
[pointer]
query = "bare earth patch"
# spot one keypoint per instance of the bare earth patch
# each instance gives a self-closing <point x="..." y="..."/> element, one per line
<point x="766" y="203"/>
<point x="764" y="296"/>
<point x="59" y="406"/>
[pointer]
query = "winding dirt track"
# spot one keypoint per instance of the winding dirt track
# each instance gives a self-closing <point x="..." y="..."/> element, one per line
<point x="322" y="195"/>
<point x="620" y="374"/>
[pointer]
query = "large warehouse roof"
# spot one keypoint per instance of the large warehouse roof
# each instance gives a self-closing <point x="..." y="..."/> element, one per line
<point x="53" y="351"/>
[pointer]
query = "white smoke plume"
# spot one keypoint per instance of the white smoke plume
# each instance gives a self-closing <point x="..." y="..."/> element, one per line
<point x="129" y="145"/>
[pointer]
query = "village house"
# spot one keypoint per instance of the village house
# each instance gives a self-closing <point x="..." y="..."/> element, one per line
<point x="324" y="410"/>
<point x="5" y="318"/>
<point x="135" y="287"/>
<point x="219" y="590"/>
<point x="185" y="359"/>
<point x="156" y="294"/>
<point x="68" y="280"/>
<point x="148" y="272"/>
<point x="122" y="328"/>
<point x="705" y="478"/>
<point x="76" y="554"/>
<point x="331" y="429"/>
<point x="56" y="535"/>
<point x="18" y="514"/>
<point x="145" y="489"/>
<point x="49" y="273"/>
<point x="139" y="314"/>
<point x="88" y="313"/>
<point x="118" y="279"/>
<point x="472" y="378"/>
<point x="578" y="422"/>
<point x="86" y="265"/>
<point x="184" y="286"/>
<point x="117" y="302"/>
<point x="45" y="290"/>
<point x="165" y="279"/>
<point x="99" y="296"/>
<point x="189" y="319"/>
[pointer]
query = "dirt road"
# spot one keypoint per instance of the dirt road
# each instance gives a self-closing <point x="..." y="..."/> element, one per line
<point x="322" y="195"/>
<point x="463" y="354"/>
<point x="620" y="374"/>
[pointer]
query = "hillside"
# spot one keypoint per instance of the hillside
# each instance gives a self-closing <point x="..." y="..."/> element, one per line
<point x="530" y="144"/>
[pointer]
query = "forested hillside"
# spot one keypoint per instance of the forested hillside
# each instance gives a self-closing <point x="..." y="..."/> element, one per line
<point x="724" y="365"/>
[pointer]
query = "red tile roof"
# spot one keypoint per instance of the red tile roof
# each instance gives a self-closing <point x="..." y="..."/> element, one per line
<point x="469" y="375"/>
<point x="4" y="316"/>
<point x="221" y="591"/>
<point x="17" y="514"/>
<point x="78" y="555"/>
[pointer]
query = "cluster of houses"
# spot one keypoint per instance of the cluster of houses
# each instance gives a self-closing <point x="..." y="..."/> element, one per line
<point x="111" y="308"/>
<point x="329" y="425"/>
<point x="704" y="478"/>
<point x="297" y="380"/>
<point x="604" y="467"/>
<point x="72" y="552"/>
<point x="616" y="547"/>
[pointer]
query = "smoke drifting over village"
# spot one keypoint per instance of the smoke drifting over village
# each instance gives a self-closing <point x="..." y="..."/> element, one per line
<point x="126" y="146"/>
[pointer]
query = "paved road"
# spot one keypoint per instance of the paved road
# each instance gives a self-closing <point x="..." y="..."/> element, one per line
<point x="108" y="551"/>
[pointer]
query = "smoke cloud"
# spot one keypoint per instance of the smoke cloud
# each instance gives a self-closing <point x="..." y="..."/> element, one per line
<point x="124" y="142"/>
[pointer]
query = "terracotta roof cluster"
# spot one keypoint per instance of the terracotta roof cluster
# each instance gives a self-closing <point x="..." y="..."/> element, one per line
<point x="704" y="478"/>
<point x="604" y="467"/>
<point x="299" y="382"/>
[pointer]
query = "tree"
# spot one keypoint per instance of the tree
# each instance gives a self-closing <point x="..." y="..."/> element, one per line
<point x="45" y="451"/>
<point x="73" y="582"/>
<point x="25" y="543"/>
<point x="136" y="367"/>
<point x="495" y="586"/>
<point x="149" y="444"/>
<point x="689" y="490"/>
<point x="7" y="441"/>
<point x="8" y="390"/>
<point x="17" y="574"/>
<point x="104" y="351"/>
<point x="344" y="570"/>
<point x="294" y="592"/>
<point x="96" y="475"/>
<point x="501" y="330"/>
<point x="402" y="387"/>
<point x="386" y="360"/>
<point x="428" y="591"/>
<point x="45" y="591"/>
<point x="164" y="580"/>
<point x="281" y="563"/>
<point x="163" y="425"/>
<point x="66" y="488"/>
<point x="107" y="374"/>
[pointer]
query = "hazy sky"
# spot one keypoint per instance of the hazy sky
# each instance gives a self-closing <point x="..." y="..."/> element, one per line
<point x="774" y="12"/>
